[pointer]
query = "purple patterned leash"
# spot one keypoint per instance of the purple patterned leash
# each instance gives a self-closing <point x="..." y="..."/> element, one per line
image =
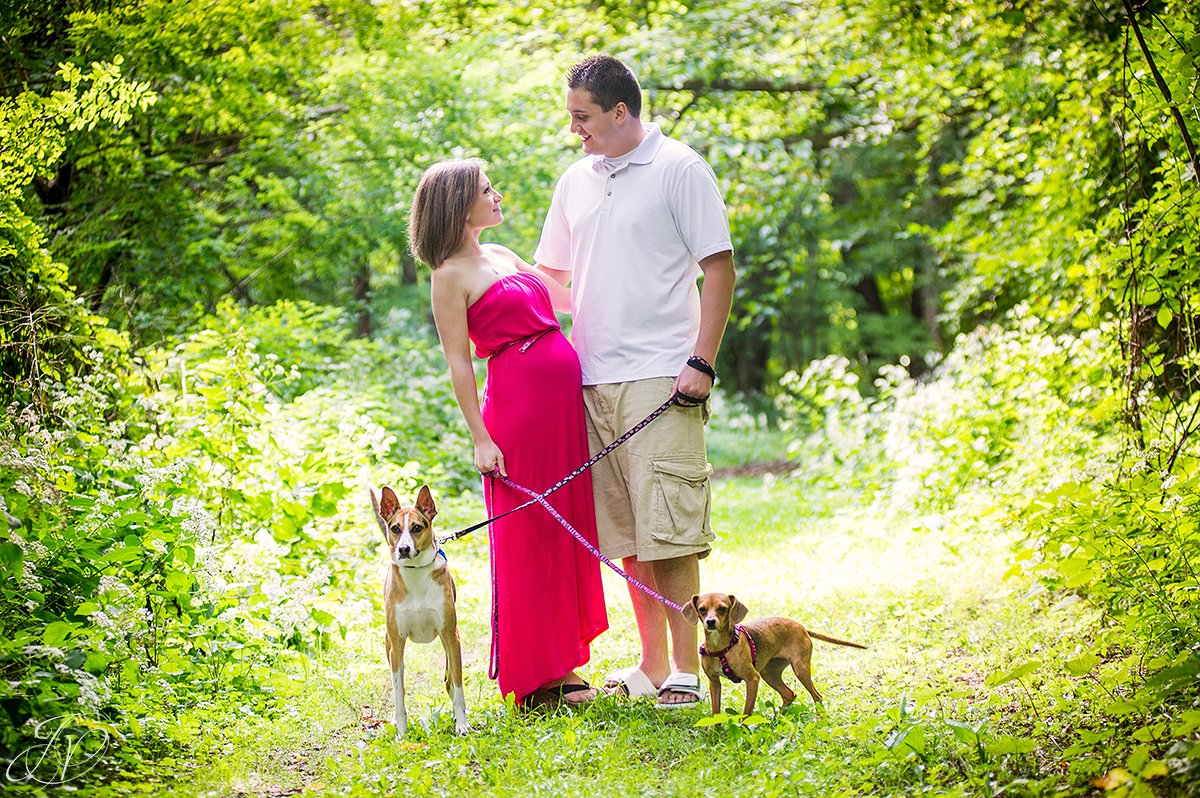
<point x="600" y="455"/>
<point x="595" y="552"/>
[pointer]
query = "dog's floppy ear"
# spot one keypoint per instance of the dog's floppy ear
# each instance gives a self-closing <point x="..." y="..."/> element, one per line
<point x="737" y="610"/>
<point x="425" y="502"/>
<point x="690" y="611"/>
<point x="388" y="503"/>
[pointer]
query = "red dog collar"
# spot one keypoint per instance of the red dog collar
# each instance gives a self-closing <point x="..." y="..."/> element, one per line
<point x="733" y="641"/>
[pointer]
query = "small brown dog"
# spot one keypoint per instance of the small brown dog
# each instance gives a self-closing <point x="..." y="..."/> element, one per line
<point x="761" y="648"/>
<point x="418" y="596"/>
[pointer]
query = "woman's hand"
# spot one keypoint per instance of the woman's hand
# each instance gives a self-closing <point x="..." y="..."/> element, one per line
<point x="489" y="459"/>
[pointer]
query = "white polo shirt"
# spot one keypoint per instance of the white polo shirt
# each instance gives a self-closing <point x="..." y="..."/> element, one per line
<point x="632" y="236"/>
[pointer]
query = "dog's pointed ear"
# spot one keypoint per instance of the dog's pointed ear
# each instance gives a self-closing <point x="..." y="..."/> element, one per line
<point x="737" y="611"/>
<point x="388" y="504"/>
<point x="690" y="610"/>
<point x="378" y="518"/>
<point x="425" y="502"/>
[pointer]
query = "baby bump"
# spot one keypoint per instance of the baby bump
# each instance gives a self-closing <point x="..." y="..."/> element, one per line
<point x="524" y="383"/>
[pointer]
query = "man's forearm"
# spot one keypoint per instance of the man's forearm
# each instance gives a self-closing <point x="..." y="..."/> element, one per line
<point x="716" y="300"/>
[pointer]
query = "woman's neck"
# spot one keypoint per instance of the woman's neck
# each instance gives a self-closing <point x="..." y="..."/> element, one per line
<point x="470" y="248"/>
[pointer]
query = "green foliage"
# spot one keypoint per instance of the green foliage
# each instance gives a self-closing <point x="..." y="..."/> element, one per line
<point x="1004" y="408"/>
<point x="44" y="334"/>
<point x="180" y="533"/>
<point x="1024" y="426"/>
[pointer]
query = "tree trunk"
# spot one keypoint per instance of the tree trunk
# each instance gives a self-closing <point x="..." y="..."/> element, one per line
<point x="107" y="272"/>
<point x="868" y="290"/>
<point x="55" y="192"/>
<point x="362" y="301"/>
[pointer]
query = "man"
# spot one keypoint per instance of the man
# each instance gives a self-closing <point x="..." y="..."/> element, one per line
<point x="631" y="227"/>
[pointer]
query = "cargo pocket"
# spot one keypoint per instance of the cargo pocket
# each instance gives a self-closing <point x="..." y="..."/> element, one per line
<point x="680" y="505"/>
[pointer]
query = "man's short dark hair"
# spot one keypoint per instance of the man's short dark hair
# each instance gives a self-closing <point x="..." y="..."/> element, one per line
<point x="608" y="81"/>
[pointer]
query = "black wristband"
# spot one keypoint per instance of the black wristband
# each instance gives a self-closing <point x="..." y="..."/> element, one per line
<point x="687" y="400"/>
<point x="703" y="366"/>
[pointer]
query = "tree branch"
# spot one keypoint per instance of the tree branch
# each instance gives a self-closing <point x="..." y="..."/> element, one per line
<point x="771" y="87"/>
<point x="1165" y="90"/>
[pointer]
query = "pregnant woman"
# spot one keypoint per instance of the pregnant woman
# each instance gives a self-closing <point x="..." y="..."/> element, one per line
<point x="547" y="598"/>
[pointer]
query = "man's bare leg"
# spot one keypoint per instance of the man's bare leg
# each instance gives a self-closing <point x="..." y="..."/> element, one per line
<point x="679" y="579"/>
<point x="651" y="618"/>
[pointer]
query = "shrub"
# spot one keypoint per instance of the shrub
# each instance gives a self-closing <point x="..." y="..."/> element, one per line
<point x="191" y="516"/>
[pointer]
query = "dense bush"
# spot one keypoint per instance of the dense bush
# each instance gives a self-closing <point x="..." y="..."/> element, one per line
<point x="1026" y="426"/>
<point x="183" y="520"/>
<point x="1005" y="408"/>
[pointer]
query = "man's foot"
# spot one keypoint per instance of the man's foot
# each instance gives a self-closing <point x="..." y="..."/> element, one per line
<point x="679" y="690"/>
<point x="629" y="682"/>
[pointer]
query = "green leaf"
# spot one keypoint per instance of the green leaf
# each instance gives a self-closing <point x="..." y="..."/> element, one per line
<point x="1082" y="665"/>
<point x="712" y="720"/>
<point x="11" y="553"/>
<point x="124" y="554"/>
<point x="1121" y="708"/>
<point x="129" y="519"/>
<point x="57" y="632"/>
<point x="965" y="732"/>
<point x="1002" y="746"/>
<point x="11" y="557"/>
<point x="1017" y="673"/>
<point x="177" y="581"/>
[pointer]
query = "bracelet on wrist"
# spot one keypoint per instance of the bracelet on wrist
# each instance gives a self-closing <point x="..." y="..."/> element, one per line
<point x="703" y="366"/>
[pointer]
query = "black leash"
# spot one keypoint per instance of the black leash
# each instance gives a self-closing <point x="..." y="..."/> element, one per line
<point x="678" y="398"/>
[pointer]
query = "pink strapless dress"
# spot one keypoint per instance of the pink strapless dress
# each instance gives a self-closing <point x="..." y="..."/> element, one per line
<point x="548" y="600"/>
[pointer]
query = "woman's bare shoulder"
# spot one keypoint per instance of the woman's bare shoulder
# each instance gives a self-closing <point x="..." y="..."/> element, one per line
<point x="500" y="251"/>
<point x="447" y="280"/>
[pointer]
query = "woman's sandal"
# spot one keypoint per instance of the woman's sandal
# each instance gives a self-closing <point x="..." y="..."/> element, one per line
<point x="540" y="701"/>
<point x="548" y="698"/>
<point x="565" y="690"/>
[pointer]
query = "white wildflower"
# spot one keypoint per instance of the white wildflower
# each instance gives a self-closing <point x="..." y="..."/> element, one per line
<point x="49" y="652"/>
<point x="89" y="691"/>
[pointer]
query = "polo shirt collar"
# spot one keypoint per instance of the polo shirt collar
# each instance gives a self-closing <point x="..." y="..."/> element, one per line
<point x="650" y="145"/>
<point x="643" y="153"/>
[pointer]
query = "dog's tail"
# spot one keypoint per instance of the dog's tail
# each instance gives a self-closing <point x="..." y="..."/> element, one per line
<point x="378" y="518"/>
<point x="834" y="640"/>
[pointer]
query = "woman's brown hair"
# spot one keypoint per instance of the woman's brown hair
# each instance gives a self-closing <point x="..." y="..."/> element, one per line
<point x="439" y="209"/>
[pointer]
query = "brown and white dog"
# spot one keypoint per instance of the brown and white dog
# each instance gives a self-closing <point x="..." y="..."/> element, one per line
<point x="761" y="648"/>
<point x="418" y="596"/>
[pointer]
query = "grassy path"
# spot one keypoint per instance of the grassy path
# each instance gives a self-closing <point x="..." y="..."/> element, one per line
<point x="926" y="595"/>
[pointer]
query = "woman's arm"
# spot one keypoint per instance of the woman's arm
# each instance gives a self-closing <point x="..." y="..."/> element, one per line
<point x="450" y="316"/>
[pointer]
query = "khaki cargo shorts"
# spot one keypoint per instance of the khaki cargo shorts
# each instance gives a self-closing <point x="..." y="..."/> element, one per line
<point x="652" y="493"/>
